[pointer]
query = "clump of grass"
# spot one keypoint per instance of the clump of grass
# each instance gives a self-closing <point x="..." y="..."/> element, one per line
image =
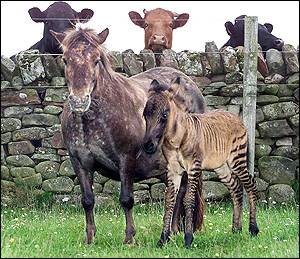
<point x="59" y="232"/>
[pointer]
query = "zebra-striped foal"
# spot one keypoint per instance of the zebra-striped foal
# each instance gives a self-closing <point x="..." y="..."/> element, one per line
<point x="192" y="142"/>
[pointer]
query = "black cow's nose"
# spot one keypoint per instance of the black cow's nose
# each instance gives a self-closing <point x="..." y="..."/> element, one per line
<point x="279" y="43"/>
<point x="149" y="147"/>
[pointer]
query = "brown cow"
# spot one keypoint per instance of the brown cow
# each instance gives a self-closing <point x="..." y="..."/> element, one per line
<point x="158" y="25"/>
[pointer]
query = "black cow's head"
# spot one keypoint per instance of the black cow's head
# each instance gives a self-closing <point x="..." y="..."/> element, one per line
<point x="265" y="39"/>
<point x="57" y="17"/>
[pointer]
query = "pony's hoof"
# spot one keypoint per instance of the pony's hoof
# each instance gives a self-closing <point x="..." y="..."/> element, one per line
<point x="236" y="230"/>
<point x="188" y="239"/>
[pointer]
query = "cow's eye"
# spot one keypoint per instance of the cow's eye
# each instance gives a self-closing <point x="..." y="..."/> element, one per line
<point x="171" y="24"/>
<point x="146" y="25"/>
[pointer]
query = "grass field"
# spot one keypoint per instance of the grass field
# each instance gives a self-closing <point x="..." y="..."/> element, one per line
<point x="59" y="232"/>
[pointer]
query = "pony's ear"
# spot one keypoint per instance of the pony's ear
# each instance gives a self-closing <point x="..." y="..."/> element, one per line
<point x="137" y="19"/>
<point x="36" y="14"/>
<point x="85" y="15"/>
<point x="59" y="36"/>
<point x="103" y="35"/>
<point x="181" y="20"/>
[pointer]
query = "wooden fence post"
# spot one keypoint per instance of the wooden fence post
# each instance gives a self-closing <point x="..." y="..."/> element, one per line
<point x="250" y="85"/>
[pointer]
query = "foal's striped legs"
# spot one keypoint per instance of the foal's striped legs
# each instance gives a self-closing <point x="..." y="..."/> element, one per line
<point x="235" y="188"/>
<point x="173" y="184"/>
<point x="239" y="168"/>
<point x="189" y="201"/>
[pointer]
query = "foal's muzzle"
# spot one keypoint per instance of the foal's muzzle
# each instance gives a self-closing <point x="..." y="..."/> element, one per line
<point x="79" y="104"/>
<point x="149" y="147"/>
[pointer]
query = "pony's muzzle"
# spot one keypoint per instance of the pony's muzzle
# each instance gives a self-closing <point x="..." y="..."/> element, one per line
<point x="79" y="104"/>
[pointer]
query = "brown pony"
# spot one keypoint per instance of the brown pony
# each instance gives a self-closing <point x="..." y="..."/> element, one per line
<point x="103" y="125"/>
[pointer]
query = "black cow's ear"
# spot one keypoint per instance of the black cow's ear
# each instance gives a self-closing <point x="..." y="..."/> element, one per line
<point x="59" y="36"/>
<point x="229" y="28"/>
<point x="36" y="14"/>
<point x="269" y="27"/>
<point x="137" y="19"/>
<point x="103" y="35"/>
<point x="181" y="20"/>
<point x="85" y="15"/>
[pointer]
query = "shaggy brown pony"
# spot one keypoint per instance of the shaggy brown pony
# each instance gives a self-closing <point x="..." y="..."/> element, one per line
<point x="103" y="126"/>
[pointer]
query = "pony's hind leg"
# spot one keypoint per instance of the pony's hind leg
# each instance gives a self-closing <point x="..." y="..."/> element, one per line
<point x="235" y="188"/>
<point x="239" y="168"/>
<point x="87" y="198"/>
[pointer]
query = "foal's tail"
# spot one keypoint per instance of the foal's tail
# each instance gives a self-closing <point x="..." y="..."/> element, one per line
<point x="199" y="206"/>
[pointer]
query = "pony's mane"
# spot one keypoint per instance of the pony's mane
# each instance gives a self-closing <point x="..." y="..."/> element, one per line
<point x="91" y="37"/>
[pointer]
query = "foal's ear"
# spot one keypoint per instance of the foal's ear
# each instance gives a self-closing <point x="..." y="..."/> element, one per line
<point x="155" y="86"/>
<point x="175" y="86"/>
<point x="59" y="36"/>
<point x="103" y="35"/>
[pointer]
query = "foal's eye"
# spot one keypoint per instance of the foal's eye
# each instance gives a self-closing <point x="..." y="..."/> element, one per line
<point x="164" y="116"/>
<point x="65" y="61"/>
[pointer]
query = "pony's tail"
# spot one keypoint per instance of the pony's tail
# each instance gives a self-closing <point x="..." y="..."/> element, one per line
<point x="198" y="219"/>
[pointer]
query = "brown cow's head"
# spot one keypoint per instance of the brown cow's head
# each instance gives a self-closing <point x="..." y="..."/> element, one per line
<point x="158" y="25"/>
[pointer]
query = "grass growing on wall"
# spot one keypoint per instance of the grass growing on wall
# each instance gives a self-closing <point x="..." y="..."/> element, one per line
<point x="58" y="231"/>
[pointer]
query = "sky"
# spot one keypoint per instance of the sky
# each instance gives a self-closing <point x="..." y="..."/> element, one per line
<point x="206" y="23"/>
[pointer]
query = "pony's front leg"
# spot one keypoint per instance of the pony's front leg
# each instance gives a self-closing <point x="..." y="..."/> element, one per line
<point x="173" y="184"/>
<point x="127" y="200"/>
<point x="87" y="198"/>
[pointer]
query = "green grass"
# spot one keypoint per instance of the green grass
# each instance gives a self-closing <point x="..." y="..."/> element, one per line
<point x="59" y="232"/>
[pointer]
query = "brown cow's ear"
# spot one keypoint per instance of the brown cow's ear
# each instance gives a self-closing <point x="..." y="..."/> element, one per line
<point x="181" y="20"/>
<point x="36" y="14"/>
<point x="229" y="28"/>
<point x="137" y="19"/>
<point x="85" y="15"/>
<point x="269" y="27"/>
<point x="103" y="35"/>
<point x="59" y="36"/>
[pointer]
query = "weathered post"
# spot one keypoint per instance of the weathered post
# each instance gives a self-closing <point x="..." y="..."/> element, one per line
<point x="250" y="85"/>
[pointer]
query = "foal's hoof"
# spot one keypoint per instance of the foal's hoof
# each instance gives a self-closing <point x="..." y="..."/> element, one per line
<point x="237" y="230"/>
<point x="253" y="229"/>
<point x="129" y="241"/>
<point x="160" y="243"/>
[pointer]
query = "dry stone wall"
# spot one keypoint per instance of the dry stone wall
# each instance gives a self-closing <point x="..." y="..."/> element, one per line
<point x="34" y="90"/>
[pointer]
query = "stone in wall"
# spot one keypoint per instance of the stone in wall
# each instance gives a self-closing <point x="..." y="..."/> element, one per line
<point x="189" y="62"/>
<point x="32" y="133"/>
<point x="275" y="128"/>
<point x="50" y="66"/>
<point x="7" y="68"/>
<point x="35" y="119"/>
<point x="275" y="62"/>
<point x="16" y="111"/>
<point x="10" y="124"/>
<point x="280" y="110"/>
<point x="279" y="193"/>
<point x="62" y="184"/>
<point x="276" y="169"/>
<point x="148" y="58"/>
<point x="22" y="172"/>
<point x="31" y="66"/>
<point x="112" y="187"/>
<point x="132" y="65"/>
<point x="230" y="60"/>
<point x="21" y="147"/>
<point x="47" y="169"/>
<point x="168" y="58"/>
<point x="214" y="190"/>
<point x="214" y="58"/>
<point x="30" y="181"/>
<point x="116" y="60"/>
<point x="205" y="65"/>
<point x="291" y="60"/>
<point x="66" y="168"/>
<point x="22" y="97"/>
<point x="56" y="96"/>
<point x="158" y="191"/>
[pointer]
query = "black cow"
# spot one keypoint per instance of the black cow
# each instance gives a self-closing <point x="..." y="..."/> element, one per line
<point x="58" y="17"/>
<point x="265" y="39"/>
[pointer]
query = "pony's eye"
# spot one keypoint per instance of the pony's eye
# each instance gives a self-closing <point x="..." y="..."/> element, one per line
<point x="97" y="61"/>
<point x="164" y="115"/>
<point x="65" y="61"/>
